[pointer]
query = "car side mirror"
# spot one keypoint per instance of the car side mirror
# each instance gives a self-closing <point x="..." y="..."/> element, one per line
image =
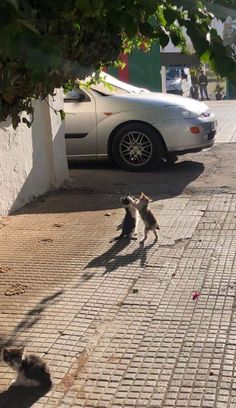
<point x="81" y="97"/>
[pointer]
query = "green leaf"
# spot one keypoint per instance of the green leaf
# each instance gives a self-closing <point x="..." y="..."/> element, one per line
<point x="145" y="29"/>
<point x="77" y="26"/>
<point x="14" y="3"/>
<point x="205" y="57"/>
<point x="150" y="7"/>
<point x="28" y="24"/>
<point x="62" y="114"/>
<point x="46" y="44"/>
<point x="163" y="38"/>
<point x="170" y="15"/>
<point x="28" y="122"/>
<point x="15" y="121"/>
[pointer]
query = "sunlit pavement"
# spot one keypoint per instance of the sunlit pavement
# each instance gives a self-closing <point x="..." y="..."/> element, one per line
<point x="122" y="325"/>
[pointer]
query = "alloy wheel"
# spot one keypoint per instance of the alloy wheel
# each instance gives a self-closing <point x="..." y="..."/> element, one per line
<point x="136" y="148"/>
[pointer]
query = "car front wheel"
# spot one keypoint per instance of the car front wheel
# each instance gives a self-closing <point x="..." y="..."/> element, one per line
<point x="137" y="147"/>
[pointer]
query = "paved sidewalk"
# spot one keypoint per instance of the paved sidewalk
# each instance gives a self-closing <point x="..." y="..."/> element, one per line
<point x="225" y="112"/>
<point x="117" y="322"/>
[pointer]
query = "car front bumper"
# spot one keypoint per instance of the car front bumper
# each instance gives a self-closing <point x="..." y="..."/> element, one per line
<point x="179" y="138"/>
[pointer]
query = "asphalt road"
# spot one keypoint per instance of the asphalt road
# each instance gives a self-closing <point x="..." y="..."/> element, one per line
<point x="211" y="169"/>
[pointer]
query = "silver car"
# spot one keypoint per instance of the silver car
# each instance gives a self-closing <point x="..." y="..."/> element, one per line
<point x="133" y="126"/>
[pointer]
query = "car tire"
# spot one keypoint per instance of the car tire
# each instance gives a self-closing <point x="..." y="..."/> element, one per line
<point x="137" y="147"/>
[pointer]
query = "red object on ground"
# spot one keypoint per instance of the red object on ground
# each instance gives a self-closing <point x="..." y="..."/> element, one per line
<point x="195" y="295"/>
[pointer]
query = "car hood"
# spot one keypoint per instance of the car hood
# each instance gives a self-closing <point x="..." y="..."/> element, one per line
<point x="162" y="100"/>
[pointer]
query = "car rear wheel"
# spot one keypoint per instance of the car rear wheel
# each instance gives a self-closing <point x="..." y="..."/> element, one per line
<point x="137" y="147"/>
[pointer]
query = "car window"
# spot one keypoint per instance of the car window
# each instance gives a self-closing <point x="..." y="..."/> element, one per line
<point x="172" y="73"/>
<point x="76" y="95"/>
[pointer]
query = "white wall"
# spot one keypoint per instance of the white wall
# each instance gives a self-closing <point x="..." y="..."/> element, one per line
<point x="32" y="161"/>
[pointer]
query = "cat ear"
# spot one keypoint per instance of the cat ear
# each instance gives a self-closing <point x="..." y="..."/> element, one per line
<point x="22" y="349"/>
<point x="148" y="199"/>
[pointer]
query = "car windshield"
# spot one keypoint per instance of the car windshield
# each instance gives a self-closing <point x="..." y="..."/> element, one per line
<point x="108" y="85"/>
<point x="172" y="73"/>
<point x="108" y="89"/>
<point x="104" y="90"/>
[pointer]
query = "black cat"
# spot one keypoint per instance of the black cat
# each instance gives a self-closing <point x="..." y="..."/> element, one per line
<point x="130" y="222"/>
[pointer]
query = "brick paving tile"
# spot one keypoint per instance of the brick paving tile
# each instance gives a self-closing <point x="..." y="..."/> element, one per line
<point x="116" y="322"/>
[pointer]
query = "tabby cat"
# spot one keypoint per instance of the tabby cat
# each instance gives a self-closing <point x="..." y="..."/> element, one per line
<point x="149" y="220"/>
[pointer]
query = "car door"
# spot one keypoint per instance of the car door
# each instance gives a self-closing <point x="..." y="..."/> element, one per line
<point x="80" y="124"/>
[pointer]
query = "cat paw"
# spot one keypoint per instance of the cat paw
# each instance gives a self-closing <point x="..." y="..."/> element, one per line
<point x="14" y="383"/>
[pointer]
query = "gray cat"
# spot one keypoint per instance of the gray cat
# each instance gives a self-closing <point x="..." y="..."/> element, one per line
<point x="31" y="370"/>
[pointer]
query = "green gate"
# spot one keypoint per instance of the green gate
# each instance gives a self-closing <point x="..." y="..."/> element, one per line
<point x="142" y="68"/>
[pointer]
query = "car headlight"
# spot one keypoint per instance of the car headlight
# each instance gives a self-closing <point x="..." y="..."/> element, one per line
<point x="182" y="112"/>
<point x="185" y="113"/>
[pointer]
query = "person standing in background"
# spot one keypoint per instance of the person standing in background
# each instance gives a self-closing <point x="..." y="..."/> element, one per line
<point x="203" y="82"/>
<point x="194" y="87"/>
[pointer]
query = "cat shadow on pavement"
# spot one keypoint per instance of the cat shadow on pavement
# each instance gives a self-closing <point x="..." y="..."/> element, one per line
<point x="21" y="397"/>
<point x="101" y="260"/>
<point x="140" y="253"/>
<point x="112" y="259"/>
